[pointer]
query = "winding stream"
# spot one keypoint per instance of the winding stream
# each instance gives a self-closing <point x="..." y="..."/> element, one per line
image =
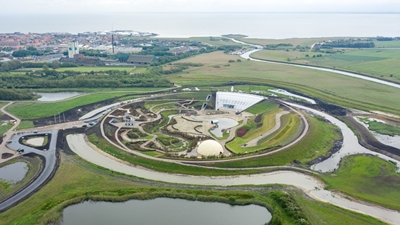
<point x="259" y="48"/>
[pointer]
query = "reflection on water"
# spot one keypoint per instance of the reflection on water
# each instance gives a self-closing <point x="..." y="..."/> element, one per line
<point x="350" y="144"/>
<point x="164" y="211"/>
<point x="56" y="96"/>
<point x="14" y="172"/>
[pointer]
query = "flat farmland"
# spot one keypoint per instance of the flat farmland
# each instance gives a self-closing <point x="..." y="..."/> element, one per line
<point x="330" y="87"/>
<point x="380" y="63"/>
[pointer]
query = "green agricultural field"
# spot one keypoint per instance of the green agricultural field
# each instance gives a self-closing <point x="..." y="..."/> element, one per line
<point x="34" y="110"/>
<point x="261" y="107"/>
<point x="317" y="143"/>
<point x="369" y="178"/>
<point x="294" y="41"/>
<point x="329" y="87"/>
<point x="387" y="44"/>
<point x="381" y="63"/>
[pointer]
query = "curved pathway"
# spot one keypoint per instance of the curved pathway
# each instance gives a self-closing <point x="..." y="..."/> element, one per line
<point x="311" y="186"/>
<point x="50" y="161"/>
<point x="247" y="55"/>
<point x="7" y="135"/>
<point x="231" y="136"/>
<point x="275" y="128"/>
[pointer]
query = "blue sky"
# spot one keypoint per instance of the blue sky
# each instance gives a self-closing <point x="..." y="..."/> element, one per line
<point x="99" y="6"/>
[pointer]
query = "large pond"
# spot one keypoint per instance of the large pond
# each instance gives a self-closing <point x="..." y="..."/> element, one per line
<point x="164" y="211"/>
<point x="223" y="123"/>
<point x="14" y="172"/>
<point x="56" y="96"/>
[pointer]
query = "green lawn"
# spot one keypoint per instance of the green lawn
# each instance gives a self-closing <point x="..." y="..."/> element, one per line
<point x="387" y="44"/>
<point x="318" y="141"/>
<point x="4" y="128"/>
<point x="368" y="178"/>
<point x="34" y="110"/>
<point x="25" y="125"/>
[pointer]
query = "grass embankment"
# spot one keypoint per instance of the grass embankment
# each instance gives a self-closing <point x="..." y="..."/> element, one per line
<point x="290" y="124"/>
<point x="255" y="130"/>
<point x="369" y="178"/>
<point x="76" y="181"/>
<point x="34" y="165"/>
<point x="25" y="125"/>
<point x="160" y="166"/>
<point x="328" y="87"/>
<point x="317" y="143"/>
<point x="261" y="107"/>
<point x="34" y="110"/>
<point x="5" y="128"/>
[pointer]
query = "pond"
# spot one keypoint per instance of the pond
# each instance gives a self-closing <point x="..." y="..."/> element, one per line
<point x="56" y="96"/>
<point x="223" y="123"/>
<point x="14" y="172"/>
<point x="164" y="211"/>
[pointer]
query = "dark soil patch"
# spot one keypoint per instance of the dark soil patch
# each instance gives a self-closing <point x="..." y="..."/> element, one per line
<point x="5" y="117"/>
<point x="6" y="155"/>
<point x="258" y="118"/>
<point x="241" y="131"/>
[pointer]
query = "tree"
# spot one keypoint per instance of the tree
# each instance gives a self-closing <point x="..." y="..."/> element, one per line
<point x="55" y="64"/>
<point x="5" y="67"/>
<point x="45" y="66"/>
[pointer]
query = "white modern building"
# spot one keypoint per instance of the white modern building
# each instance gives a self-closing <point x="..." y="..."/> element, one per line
<point x="73" y="49"/>
<point x="236" y="101"/>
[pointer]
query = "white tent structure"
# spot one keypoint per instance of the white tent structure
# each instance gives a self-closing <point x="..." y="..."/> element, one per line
<point x="236" y="101"/>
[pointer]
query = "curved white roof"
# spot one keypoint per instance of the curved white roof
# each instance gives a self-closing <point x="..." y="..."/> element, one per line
<point x="210" y="148"/>
<point x="95" y="112"/>
<point x="235" y="100"/>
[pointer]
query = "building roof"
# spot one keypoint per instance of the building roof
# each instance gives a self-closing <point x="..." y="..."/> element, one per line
<point x="210" y="148"/>
<point x="141" y="59"/>
<point x="235" y="100"/>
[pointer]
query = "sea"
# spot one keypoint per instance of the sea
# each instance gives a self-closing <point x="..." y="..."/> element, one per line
<point x="255" y="25"/>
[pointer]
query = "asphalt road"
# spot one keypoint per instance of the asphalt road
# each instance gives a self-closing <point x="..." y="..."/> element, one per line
<point x="49" y="166"/>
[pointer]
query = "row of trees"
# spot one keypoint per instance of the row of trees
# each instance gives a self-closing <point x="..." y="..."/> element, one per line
<point x="103" y="80"/>
<point x="14" y="94"/>
<point x="348" y="44"/>
<point x="15" y="64"/>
